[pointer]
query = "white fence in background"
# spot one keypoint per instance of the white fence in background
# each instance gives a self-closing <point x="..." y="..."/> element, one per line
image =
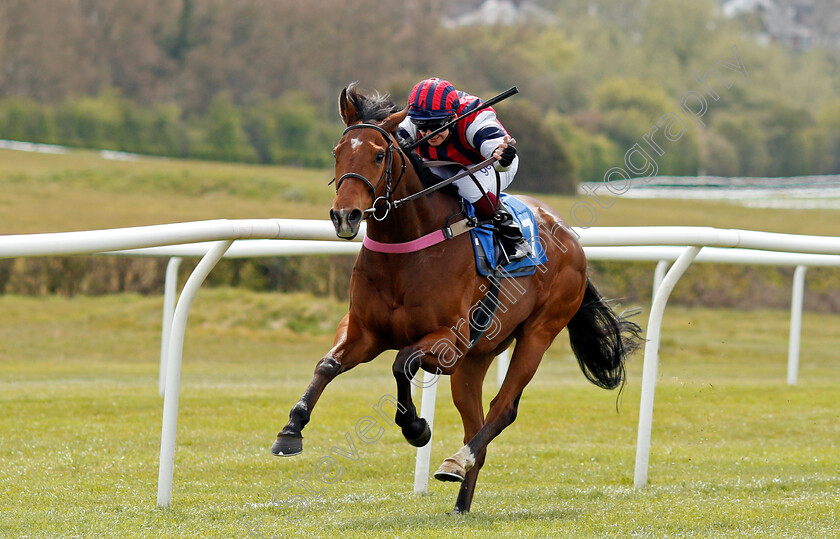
<point x="680" y="245"/>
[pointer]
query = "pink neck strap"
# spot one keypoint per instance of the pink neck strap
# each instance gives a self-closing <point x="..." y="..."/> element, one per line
<point x="432" y="238"/>
<point x="406" y="247"/>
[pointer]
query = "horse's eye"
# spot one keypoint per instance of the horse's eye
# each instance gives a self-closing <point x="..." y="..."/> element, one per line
<point x="380" y="157"/>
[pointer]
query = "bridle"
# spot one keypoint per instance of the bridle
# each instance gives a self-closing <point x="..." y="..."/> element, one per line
<point x="448" y="231"/>
<point x="386" y="175"/>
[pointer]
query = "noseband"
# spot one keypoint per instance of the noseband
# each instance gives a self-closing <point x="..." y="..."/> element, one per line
<point x="386" y="175"/>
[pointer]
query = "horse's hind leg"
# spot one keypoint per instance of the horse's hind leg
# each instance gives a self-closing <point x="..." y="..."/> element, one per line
<point x="352" y="346"/>
<point x="523" y="364"/>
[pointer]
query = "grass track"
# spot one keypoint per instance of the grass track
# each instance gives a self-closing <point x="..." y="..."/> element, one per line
<point x="81" y="191"/>
<point x="736" y="452"/>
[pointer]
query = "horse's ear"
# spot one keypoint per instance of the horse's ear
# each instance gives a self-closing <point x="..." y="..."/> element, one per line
<point x="348" y="109"/>
<point x="390" y="123"/>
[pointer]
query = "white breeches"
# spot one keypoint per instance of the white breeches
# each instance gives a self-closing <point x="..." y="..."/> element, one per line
<point x="486" y="177"/>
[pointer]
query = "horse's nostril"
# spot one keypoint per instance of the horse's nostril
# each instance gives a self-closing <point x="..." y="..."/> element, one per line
<point x="333" y="217"/>
<point x="355" y="216"/>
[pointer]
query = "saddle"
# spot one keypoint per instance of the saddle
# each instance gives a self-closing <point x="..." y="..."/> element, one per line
<point x="488" y="253"/>
<point x="487" y="250"/>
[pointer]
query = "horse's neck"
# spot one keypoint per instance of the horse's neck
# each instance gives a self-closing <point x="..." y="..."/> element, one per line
<point x="415" y="218"/>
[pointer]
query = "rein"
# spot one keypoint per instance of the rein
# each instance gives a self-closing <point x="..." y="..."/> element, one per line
<point x="386" y="176"/>
<point x="464" y="173"/>
<point x="446" y="232"/>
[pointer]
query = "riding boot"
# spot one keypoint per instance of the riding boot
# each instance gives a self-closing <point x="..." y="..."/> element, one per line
<point x="514" y="245"/>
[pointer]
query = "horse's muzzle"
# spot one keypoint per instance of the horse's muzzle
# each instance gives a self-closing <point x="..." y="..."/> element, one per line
<point x="346" y="223"/>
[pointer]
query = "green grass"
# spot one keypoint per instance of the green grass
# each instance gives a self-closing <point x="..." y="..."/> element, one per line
<point x="81" y="191"/>
<point x="736" y="452"/>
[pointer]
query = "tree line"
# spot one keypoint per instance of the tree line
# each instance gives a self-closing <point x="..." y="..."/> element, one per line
<point x="257" y="81"/>
<point x="286" y="130"/>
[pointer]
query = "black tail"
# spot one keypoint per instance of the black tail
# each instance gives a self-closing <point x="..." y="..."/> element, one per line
<point x="601" y="340"/>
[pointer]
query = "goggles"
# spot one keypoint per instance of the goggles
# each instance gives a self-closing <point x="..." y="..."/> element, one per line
<point x="430" y="125"/>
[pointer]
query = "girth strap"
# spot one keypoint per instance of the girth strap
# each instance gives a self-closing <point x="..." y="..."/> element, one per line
<point x="483" y="314"/>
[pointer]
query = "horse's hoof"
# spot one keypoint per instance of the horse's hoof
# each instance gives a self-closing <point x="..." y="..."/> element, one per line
<point x="450" y="470"/>
<point x="418" y="433"/>
<point x="287" y="445"/>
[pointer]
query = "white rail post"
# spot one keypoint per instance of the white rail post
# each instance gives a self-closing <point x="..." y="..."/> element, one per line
<point x="504" y="363"/>
<point x="651" y="362"/>
<point x="796" y="301"/>
<point x="173" y="369"/>
<point x="170" y="289"/>
<point x="427" y="412"/>
<point x="658" y="275"/>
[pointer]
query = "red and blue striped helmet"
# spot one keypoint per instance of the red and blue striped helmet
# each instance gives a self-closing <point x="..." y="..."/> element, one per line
<point x="432" y="99"/>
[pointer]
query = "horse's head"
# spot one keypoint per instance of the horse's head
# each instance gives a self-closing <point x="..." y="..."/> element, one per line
<point x="368" y="161"/>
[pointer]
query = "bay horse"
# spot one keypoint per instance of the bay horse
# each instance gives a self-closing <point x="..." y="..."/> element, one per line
<point x="418" y="302"/>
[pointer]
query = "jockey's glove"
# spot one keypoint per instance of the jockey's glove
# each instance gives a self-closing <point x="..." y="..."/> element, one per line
<point x="402" y="139"/>
<point x="507" y="156"/>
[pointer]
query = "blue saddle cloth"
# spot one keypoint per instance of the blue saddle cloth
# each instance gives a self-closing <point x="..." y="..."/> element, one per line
<point x="487" y="258"/>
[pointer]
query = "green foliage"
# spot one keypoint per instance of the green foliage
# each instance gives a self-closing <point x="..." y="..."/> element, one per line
<point x="23" y="119"/>
<point x="288" y="130"/>
<point x="720" y="157"/>
<point x="743" y="133"/>
<point x="319" y="275"/>
<point x="256" y="81"/>
<point x="302" y="136"/>
<point x="677" y="31"/>
<point x="730" y="286"/>
<point x="784" y="127"/>
<point x="225" y="140"/>
<point x="630" y="110"/>
<point x="823" y="141"/>
<point x="682" y="158"/>
<point x="104" y="122"/>
<point x="479" y="61"/>
<point x="544" y="162"/>
<point x="258" y="123"/>
<point x="164" y="133"/>
<point x="592" y="154"/>
<point x="91" y="122"/>
<point x="545" y="50"/>
<point x="623" y="95"/>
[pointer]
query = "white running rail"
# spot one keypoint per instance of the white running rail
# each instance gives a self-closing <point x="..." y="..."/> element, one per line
<point x="682" y="245"/>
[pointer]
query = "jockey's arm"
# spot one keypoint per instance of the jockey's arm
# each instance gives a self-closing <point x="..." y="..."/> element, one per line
<point x="485" y="134"/>
<point x="407" y="131"/>
<point x="488" y="136"/>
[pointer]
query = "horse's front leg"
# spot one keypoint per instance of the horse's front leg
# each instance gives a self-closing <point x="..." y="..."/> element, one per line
<point x="435" y="353"/>
<point x="352" y="345"/>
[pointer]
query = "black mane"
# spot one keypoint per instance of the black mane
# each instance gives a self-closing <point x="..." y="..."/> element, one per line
<point x="371" y="108"/>
<point x="374" y="109"/>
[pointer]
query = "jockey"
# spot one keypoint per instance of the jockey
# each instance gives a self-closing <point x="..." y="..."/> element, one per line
<point x="434" y="102"/>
